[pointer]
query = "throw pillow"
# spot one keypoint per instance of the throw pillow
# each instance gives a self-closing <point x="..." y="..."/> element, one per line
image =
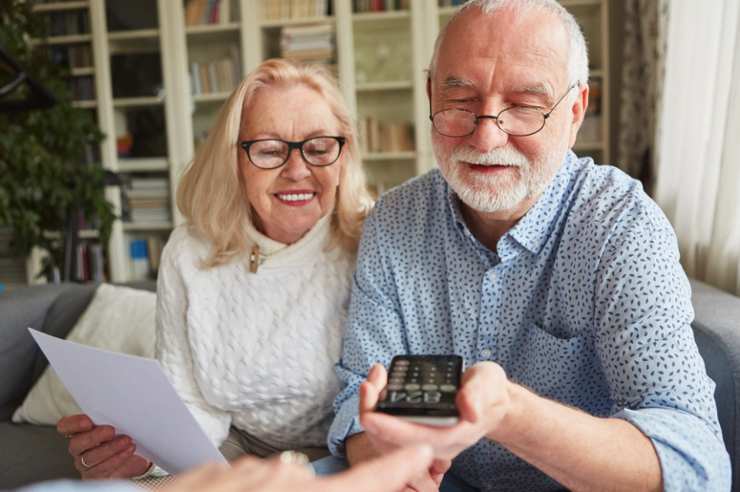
<point x="119" y="319"/>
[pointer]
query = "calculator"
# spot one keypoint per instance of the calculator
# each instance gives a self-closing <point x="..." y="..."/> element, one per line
<point x="423" y="388"/>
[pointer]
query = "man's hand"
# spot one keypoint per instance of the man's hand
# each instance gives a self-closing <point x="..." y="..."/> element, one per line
<point x="483" y="402"/>
<point x="251" y="474"/>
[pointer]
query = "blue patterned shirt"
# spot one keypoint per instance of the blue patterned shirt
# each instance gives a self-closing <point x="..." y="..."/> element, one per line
<point x="584" y="302"/>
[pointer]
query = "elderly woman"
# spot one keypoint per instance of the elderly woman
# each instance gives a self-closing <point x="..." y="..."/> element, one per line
<point x="253" y="290"/>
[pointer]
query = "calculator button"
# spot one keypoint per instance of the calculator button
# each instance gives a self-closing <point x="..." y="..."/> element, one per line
<point x="447" y="388"/>
<point x="395" y="387"/>
<point x="412" y="387"/>
<point x="430" y="387"/>
<point x="401" y="362"/>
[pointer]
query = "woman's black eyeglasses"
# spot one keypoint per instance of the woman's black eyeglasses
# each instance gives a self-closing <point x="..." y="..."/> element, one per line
<point x="271" y="153"/>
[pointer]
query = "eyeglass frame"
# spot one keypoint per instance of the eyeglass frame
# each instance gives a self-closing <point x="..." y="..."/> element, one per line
<point x="247" y="144"/>
<point x="479" y="117"/>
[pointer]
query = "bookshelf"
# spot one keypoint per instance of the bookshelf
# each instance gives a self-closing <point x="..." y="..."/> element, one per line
<point x="191" y="53"/>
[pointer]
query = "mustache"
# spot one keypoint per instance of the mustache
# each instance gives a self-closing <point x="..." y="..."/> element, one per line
<point x="504" y="156"/>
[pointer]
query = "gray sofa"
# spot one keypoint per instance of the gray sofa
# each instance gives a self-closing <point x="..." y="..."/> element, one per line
<point x="32" y="453"/>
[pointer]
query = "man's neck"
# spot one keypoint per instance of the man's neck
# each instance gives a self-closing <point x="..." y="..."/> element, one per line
<point x="489" y="227"/>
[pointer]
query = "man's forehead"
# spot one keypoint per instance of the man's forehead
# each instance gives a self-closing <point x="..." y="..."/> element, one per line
<point x="529" y="42"/>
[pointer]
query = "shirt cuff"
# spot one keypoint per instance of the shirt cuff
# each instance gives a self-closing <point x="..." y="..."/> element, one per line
<point x="692" y="456"/>
<point x="152" y="471"/>
<point x="345" y="424"/>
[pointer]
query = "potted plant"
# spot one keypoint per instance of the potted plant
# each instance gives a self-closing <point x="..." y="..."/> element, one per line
<point x="45" y="169"/>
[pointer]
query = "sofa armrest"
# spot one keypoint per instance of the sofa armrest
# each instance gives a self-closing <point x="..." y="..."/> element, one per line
<point x="41" y="307"/>
<point x="717" y="331"/>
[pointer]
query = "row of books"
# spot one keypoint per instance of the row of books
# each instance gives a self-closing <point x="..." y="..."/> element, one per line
<point x="380" y="5"/>
<point x="216" y="76"/>
<point x="384" y="136"/>
<point x="144" y="257"/>
<point x="90" y="262"/>
<point x="146" y="201"/>
<point x="295" y="9"/>
<point x="309" y="44"/>
<point x="72" y="56"/>
<point x="451" y="3"/>
<point x="82" y="88"/>
<point x="68" y="23"/>
<point x="207" y="12"/>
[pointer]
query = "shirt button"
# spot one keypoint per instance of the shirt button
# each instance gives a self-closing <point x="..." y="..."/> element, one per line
<point x="486" y="353"/>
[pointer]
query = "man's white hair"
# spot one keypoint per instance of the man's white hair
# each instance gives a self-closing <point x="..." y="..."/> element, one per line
<point x="577" y="54"/>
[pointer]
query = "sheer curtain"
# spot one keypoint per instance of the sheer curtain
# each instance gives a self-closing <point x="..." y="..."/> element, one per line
<point x="698" y="171"/>
<point x="643" y="71"/>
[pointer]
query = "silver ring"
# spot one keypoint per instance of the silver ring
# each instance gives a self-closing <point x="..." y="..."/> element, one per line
<point x="82" y="462"/>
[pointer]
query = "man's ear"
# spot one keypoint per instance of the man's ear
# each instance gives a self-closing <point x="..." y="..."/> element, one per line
<point x="578" y="112"/>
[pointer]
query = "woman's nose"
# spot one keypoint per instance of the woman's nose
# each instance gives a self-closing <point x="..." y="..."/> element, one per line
<point x="296" y="168"/>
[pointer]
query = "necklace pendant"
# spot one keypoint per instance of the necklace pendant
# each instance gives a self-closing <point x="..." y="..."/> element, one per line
<point x="254" y="259"/>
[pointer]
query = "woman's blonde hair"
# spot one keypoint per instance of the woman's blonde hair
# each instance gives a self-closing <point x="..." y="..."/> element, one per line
<point x="211" y="192"/>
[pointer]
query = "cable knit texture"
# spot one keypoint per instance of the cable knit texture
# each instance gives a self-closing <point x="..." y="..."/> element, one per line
<point x="255" y="350"/>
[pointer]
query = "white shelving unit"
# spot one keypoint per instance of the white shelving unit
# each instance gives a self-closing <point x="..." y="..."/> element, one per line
<point x="380" y="58"/>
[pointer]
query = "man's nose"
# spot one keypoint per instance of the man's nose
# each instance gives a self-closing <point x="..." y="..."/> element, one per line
<point x="296" y="168"/>
<point x="487" y="135"/>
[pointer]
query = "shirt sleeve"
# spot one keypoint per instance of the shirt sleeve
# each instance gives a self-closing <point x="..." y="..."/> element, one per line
<point x="375" y="330"/>
<point x="173" y="348"/>
<point x="82" y="486"/>
<point x="647" y="351"/>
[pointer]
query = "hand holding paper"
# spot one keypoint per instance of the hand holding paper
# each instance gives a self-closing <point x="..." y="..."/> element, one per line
<point x="133" y="395"/>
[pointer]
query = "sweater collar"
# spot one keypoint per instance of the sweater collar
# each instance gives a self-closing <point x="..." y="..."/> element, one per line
<point x="277" y="254"/>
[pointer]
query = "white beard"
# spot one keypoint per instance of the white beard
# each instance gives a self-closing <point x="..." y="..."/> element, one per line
<point x="495" y="192"/>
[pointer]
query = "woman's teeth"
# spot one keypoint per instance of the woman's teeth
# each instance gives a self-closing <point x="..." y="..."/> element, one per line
<point x="295" y="197"/>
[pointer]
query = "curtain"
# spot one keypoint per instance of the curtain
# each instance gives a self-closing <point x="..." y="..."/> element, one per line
<point x="698" y="172"/>
<point x="643" y="45"/>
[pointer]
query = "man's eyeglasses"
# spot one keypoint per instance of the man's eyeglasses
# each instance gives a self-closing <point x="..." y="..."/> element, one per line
<point x="517" y="121"/>
<point x="271" y="153"/>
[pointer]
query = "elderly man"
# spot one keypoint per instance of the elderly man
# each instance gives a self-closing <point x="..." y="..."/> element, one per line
<point x="556" y="279"/>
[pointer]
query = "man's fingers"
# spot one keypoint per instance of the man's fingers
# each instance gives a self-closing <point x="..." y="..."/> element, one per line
<point x="439" y="467"/>
<point x="74" y="424"/>
<point x="370" y="389"/>
<point x="378" y="376"/>
<point x="85" y="441"/>
<point x="396" y="469"/>
<point x="483" y="385"/>
<point x="368" y="397"/>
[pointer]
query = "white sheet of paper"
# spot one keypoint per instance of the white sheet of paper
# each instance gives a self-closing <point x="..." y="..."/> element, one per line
<point x="133" y="395"/>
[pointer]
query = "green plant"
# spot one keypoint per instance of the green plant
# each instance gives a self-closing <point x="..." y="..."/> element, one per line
<point x="44" y="174"/>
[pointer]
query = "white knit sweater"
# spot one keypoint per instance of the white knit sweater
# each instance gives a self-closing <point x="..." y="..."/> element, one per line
<point x="255" y="350"/>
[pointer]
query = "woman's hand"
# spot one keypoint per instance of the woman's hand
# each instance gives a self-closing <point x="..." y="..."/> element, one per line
<point x="98" y="452"/>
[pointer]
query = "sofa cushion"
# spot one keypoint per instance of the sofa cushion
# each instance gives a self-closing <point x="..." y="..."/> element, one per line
<point x="29" y="453"/>
<point x="119" y="319"/>
<point x="20" y="309"/>
<point x="61" y="318"/>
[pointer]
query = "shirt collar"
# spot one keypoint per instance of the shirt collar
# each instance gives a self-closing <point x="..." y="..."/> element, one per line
<point x="534" y="228"/>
